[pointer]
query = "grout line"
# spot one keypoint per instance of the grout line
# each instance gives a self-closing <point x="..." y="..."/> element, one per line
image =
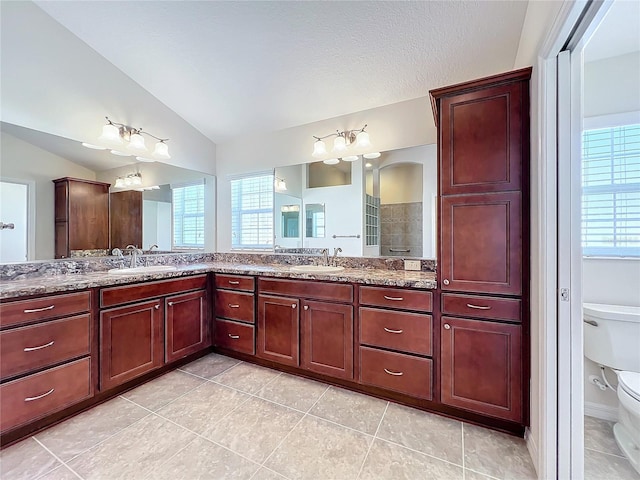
<point x="606" y="453"/>
<point x="64" y="465"/>
<point x="421" y="453"/>
<point x="483" y="474"/>
<point x="171" y="456"/>
<point x="375" y="435"/>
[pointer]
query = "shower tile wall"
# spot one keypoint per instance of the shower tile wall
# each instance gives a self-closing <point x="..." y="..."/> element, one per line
<point x="401" y="229"/>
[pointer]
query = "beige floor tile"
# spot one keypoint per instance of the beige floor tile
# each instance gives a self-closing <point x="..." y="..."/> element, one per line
<point x="254" y="429"/>
<point x="350" y="409"/>
<point x="246" y="377"/>
<point x="210" y="366"/>
<point x="201" y="408"/>
<point x="471" y="475"/>
<point x="294" y="392"/>
<point x="266" y="474"/>
<point x="426" y="432"/>
<point x="497" y="454"/>
<point x="60" y="473"/>
<point x="202" y="459"/>
<point x="598" y="435"/>
<point x="387" y="461"/>
<point x="79" y="433"/>
<point x="133" y="452"/>
<point x="600" y="466"/>
<point x="157" y="393"/>
<point x="27" y="460"/>
<point x="317" y="449"/>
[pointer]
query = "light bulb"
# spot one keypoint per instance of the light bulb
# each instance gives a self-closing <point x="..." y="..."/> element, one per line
<point x="331" y="161"/>
<point x="362" y="140"/>
<point x="110" y="134"/>
<point x="339" y="144"/>
<point x="161" y="151"/>
<point x="127" y="181"/>
<point x="319" y="149"/>
<point x="136" y="143"/>
<point x="136" y="179"/>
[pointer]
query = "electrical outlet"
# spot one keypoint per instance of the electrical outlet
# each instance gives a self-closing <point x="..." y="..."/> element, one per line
<point x="412" y="265"/>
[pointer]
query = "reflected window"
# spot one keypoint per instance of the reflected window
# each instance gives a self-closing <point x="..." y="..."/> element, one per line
<point x="188" y="216"/>
<point x="252" y="212"/>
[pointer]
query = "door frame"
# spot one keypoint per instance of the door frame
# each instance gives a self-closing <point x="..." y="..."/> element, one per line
<point x="31" y="213"/>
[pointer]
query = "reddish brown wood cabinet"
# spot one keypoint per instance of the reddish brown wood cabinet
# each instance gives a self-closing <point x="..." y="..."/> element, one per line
<point x="81" y="216"/>
<point x="186" y="325"/>
<point x="279" y="329"/>
<point x="483" y="151"/>
<point x="126" y="219"/>
<point x="234" y="326"/>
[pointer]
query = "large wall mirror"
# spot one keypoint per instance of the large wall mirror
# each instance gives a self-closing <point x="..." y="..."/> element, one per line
<point x="176" y="205"/>
<point x="369" y="207"/>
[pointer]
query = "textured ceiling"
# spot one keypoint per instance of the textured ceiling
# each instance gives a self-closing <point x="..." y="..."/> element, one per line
<point x="234" y="67"/>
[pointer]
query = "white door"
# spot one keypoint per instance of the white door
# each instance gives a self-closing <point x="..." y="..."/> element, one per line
<point x="13" y="222"/>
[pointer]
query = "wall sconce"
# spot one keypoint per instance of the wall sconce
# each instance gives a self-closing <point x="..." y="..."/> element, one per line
<point x="124" y="140"/>
<point x="131" y="180"/>
<point x="279" y="184"/>
<point x="343" y="144"/>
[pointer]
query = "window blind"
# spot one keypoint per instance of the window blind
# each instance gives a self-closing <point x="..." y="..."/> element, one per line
<point x="188" y="216"/>
<point x="611" y="191"/>
<point x="252" y="212"/>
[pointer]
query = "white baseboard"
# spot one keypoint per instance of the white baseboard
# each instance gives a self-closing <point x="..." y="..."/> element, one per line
<point x="601" y="411"/>
<point x="533" y="449"/>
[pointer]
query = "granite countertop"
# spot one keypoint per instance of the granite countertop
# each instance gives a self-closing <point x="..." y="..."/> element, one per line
<point x="70" y="282"/>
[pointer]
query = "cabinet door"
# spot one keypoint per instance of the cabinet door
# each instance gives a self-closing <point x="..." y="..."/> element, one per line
<point x="327" y="339"/>
<point x="482" y="367"/>
<point x="481" y="140"/>
<point x="481" y="243"/>
<point x="88" y="216"/>
<point x="130" y="342"/>
<point x="186" y="325"/>
<point x="278" y="329"/>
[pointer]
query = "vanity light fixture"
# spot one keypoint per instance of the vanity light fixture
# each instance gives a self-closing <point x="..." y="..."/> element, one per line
<point x="131" y="180"/>
<point x="127" y="140"/>
<point x="279" y="184"/>
<point x="347" y="145"/>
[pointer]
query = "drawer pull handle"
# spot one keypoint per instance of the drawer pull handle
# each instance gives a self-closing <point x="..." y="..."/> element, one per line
<point x="31" y="349"/>
<point x="232" y="282"/>
<point x="293" y="305"/>
<point x="234" y="305"/>
<point x="170" y="304"/>
<point x="392" y="331"/>
<point x="395" y="374"/>
<point x="235" y="337"/>
<point x="33" y="310"/>
<point x="38" y="397"/>
<point x="478" y="307"/>
<point x="447" y="326"/>
<point x="397" y="299"/>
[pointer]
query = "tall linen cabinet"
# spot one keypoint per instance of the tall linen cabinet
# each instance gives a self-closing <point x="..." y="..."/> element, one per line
<point x="483" y="252"/>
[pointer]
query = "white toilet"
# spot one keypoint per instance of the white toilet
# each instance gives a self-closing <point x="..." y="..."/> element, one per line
<point x="612" y="339"/>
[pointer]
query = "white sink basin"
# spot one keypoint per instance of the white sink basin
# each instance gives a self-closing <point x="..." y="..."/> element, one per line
<point x="138" y="270"/>
<point x="316" y="269"/>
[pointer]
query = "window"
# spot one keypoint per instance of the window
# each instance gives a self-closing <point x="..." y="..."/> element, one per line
<point x="252" y="212"/>
<point x="188" y="216"/>
<point x="611" y="191"/>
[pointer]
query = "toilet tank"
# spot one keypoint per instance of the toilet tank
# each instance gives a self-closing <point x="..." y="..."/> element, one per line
<point x="612" y="335"/>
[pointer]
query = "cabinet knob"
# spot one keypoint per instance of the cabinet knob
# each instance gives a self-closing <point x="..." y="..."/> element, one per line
<point x="293" y="305"/>
<point x="445" y="281"/>
<point x="306" y="307"/>
<point x="170" y="304"/>
<point x="157" y="307"/>
<point x="447" y="326"/>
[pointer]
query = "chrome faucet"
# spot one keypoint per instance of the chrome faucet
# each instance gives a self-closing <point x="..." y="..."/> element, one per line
<point x="135" y="251"/>
<point x="152" y="247"/>
<point x="118" y="253"/>
<point x="325" y="255"/>
<point x="334" y="260"/>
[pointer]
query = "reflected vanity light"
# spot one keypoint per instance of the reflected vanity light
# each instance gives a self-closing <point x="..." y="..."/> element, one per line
<point x="131" y="180"/>
<point x="347" y="146"/>
<point x="279" y="184"/>
<point x="372" y="155"/>
<point x="127" y="140"/>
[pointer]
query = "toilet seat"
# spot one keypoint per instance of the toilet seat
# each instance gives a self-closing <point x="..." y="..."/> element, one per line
<point x="630" y="383"/>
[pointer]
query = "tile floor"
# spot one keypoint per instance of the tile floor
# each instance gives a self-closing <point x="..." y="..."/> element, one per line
<point x="603" y="459"/>
<point x="218" y="418"/>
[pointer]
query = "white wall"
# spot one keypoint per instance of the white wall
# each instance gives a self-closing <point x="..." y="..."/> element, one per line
<point x="401" y="183"/>
<point x="611" y="85"/>
<point x="42" y="167"/>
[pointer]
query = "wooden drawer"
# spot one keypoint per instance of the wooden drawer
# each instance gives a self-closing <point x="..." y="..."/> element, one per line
<point x="36" y="346"/>
<point x="235" y="336"/>
<point x="335" y="292"/>
<point x="235" y="282"/>
<point x="407" y="332"/>
<point x="37" y="395"/>
<point x="482" y="307"/>
<point x="396" y="371"/>
<point x="235" y="305"/>
<point x="27" y="311"/>
<point x="146" y="290"/>
<point x="396" y="298"/>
